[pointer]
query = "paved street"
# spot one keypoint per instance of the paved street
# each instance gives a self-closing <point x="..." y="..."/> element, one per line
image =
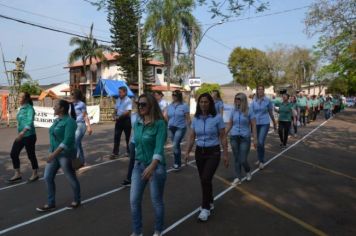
<point x="307" y="189"/>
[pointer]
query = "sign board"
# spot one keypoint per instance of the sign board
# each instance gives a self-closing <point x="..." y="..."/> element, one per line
<point x="195" y="82"/>
<point x="44" y="116"/>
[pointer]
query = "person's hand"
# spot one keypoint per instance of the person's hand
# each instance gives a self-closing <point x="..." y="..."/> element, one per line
<point x="50" y="158"/>
<point x="255" y="143"/>
<point x="275" y="126"/>
<point x="148" y="172"/>
<point x="20" y="136"/>
<point x="90" y="130"/>
<point x="226" y="159"/>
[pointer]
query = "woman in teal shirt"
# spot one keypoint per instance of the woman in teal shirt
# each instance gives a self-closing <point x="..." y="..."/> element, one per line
<point x="285" y="119"/>
<point x="26" y="138"/>
<point x="150" y="134"/>
<point x="61" y="152"/>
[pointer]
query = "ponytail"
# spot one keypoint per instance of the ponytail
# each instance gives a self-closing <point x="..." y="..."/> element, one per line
<point x="68" y="108"/>
<point x="72" y="111"/>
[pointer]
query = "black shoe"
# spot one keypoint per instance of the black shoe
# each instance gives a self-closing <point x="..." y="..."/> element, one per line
<point x="45" y="208"/>
<point x="13" y="181"/>
<point x="126" y="183"/>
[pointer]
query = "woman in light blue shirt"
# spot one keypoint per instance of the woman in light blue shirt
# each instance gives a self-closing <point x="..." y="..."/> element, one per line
<point x="218" y="102"/>
<point x="83" y="123"/>
<point x="208" y="129"/>
<point x="262" y="109"/>
<point x="178" y="119"/>
<point x="241" y="122"/>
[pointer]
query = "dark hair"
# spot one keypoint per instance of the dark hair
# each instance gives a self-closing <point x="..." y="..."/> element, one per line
<point x="65" y="104"/>
<point x="159" y="93"/>
<point x="28" y="98"/>
<point x="123" y="88"/>
<point x="155" y="111"/>
<point x="78" y="95"/>
<point x="286" y="95"/>
<point x="211" y="111"/>
<point x="179" y="95"/>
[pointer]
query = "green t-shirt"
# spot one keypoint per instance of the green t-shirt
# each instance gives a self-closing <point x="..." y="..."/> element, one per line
<point x="302" y="101"/>
<point x="150" y="140"/>
<point x="62" y="134"/>
<point x="285" y="111"/>
<point x="315" y="102"/>
<point x="328" y="105"/>
<point x="25" y="117"/>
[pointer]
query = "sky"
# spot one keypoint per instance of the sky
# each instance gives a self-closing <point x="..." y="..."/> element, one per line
<point x="47" y="52"/>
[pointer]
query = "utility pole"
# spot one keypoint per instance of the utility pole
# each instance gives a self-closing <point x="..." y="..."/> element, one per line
<point x="139" y="47"/>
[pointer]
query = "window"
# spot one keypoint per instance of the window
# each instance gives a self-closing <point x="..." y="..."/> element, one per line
<point x="159" y="71"/>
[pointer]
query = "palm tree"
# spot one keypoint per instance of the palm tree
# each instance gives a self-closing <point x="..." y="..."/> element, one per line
<point x="87" y="49"/>
<point x="171" y="24"/>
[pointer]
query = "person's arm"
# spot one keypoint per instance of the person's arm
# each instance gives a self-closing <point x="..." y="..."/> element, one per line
<point x="190" y="144"/>
<point x="270" y="112"/>
<point x="223" y="141"/>
<point x="158" y="156"/>
<point x="228" y="127"/>
<point x="87" y="122"/>
<point x="254" y="131"/>
<point x="187" y="119"/>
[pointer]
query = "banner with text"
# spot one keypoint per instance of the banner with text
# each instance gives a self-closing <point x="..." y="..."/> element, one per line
<point x="44" y="116"/>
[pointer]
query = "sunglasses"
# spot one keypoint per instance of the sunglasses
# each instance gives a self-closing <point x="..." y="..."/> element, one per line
<point x="174" y="94"/>
<point x="142" y="104"/>
<point x="237" y="98"/>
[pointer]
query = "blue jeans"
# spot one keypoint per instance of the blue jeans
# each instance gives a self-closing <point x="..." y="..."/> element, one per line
<point x="50" y="173"/>
<point x="240" y="149"/>
<point x="132" y="161"/>
<point x="262" y="131"/>
<point x="138" y="185"/>
<point x="177" y="134"/>
<point x="327" y="113"/>
<point x="79" y="134"/>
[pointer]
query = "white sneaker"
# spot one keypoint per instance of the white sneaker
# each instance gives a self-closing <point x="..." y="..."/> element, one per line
<point x="212" y="206"/>
<point x="157" y="233"/>
<point x="204" y="215"/>
<point x="176" y="167"/>
<point x="236" y="181"/>
<point x="248" y="176"/>
<point x="257" y="163"/>
<point x="261" y="166"/>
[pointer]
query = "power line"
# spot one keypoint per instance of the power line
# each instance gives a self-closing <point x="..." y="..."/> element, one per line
<point x="269" y="14"/>
<point x="47" y="67"/>
<point x="211" y="59"/>
<point x="222" y="44"/>
<point x="52" y="18"/>
<point x="51" y="76"/>
<point x="48" y="28"/>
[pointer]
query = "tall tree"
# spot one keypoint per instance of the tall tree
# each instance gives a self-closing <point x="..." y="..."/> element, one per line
<point x="217" y="9"/>
<point x="87" y="49"/>
<point x="249" y="67"/>
<point x="335" y="22"/>
<point x="124" y="17"/>
<point x="170" y="23"/>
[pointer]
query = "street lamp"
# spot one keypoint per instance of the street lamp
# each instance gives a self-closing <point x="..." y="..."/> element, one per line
<point x="201" y="38"/>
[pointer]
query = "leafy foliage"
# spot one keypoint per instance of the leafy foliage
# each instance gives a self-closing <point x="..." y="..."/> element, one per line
<point x="249" y="67"/>
<point x="207" y="88"/>
<point x="31" y="87"/>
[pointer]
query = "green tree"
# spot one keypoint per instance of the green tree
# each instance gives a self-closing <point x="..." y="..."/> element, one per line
<point x="249" y="67"/>
<point x="170" y="23"/>
<point x="30" y="87"/>
<point x="87" y="49"/>
<point x="335" y="22"/>
<point x="207" y="88"/>
<point x="124" y="16"/>
<point x="217" y="9"/>
<point x="183" y="68"/>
